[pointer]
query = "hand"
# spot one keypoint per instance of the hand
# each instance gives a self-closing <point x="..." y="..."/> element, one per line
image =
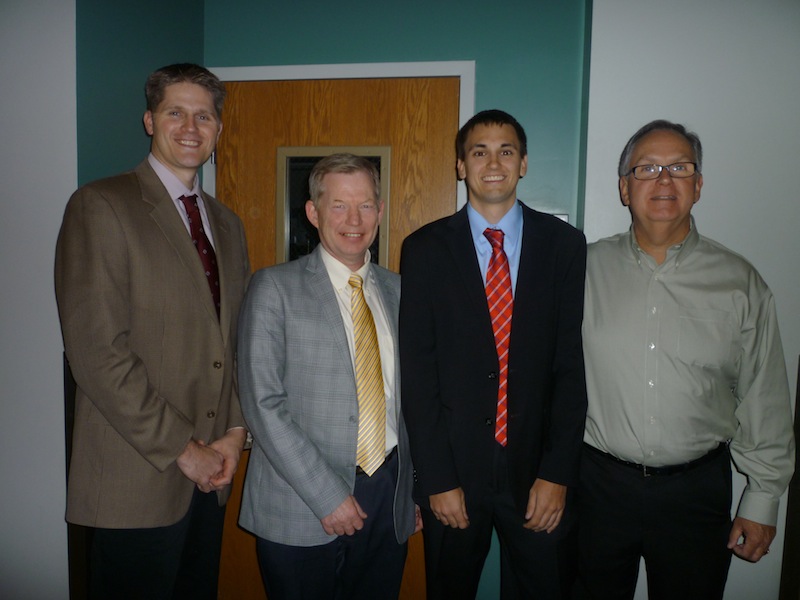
<point x="230" y="448"/>
<point x="346" y="519"/>
<point x="450" y="508"/>
<point x="756" y="539"/>
<point x="546" y="503"/>
<point x="201" y="464"/>
<point x="417" y="519"/>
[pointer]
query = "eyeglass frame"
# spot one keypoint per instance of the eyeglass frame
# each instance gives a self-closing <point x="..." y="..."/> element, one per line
<point x="661" y="168"/>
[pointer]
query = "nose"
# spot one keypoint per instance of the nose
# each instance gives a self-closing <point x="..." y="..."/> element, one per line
<point x="353" y="216"/>
<point x="188" y="123"/>
<point x="664" y="176"/>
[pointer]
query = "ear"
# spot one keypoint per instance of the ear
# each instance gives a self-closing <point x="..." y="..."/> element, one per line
<point x="219" y="131"/>
<point x="460" y="170"/>
<point x="697" y="187"/>
<point x="147" y="119"/>
<point x="623" y="191"/>
<point x="311" y="213"/>
<point x="523" y="168"/>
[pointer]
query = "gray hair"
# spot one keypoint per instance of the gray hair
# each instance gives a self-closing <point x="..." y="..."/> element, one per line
<point x="342" y="163"/>
<point x="660" y="125"/>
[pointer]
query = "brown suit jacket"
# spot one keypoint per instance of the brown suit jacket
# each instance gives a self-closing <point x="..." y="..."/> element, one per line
<point x="154" y="366"/>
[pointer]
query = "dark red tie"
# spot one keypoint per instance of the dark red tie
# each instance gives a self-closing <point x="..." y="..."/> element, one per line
<point x="501" y="308"/>
<point x="204" y="248"/>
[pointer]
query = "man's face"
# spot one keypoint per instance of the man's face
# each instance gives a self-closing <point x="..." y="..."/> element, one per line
<point x="665" y="200"/>
<point x="184" y="129"/>
<point x="492" y="166"/>
<point x="347" y="216"/>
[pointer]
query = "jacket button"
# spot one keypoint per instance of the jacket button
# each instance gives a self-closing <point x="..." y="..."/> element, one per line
<point x="488" y="421"/>
<point x="211" y="414"/>
<point x="492" y="375"/>
<point x="217" y="364"/>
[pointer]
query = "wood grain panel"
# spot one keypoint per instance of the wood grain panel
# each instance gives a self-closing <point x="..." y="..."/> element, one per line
<point x="418" y="119"/>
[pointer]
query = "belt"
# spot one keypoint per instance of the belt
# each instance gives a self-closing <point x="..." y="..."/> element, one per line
<point x="390" y="456"/>
<point x="647" y="471"/>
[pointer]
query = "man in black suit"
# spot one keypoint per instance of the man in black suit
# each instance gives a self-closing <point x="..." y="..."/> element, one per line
<point x="494" y="393"/>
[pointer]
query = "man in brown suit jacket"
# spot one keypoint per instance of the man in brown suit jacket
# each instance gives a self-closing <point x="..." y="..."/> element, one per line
<point x="157" y="419"/>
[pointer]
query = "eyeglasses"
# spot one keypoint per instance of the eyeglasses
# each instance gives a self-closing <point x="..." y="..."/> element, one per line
<point x="679" y="170"/>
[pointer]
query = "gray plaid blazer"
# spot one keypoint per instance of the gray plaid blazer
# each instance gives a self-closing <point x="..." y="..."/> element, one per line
<point x="298" y="396"/>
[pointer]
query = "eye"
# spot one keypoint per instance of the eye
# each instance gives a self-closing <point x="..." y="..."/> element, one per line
<point x="479" y="153"/>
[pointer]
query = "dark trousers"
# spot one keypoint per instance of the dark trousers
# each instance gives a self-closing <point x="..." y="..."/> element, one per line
<point x="679" y="523"/>
<point x="365" y="566"/>
<point x="163" y="563"/>
<point x="532" y="565"/>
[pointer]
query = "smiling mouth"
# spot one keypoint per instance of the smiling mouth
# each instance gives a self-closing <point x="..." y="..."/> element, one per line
<point x="188" y="143"/>
<point x="493" y="178"/>
<point x="353" y="235"/>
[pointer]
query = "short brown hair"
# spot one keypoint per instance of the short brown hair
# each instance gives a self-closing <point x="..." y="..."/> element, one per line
<point x="160" y="79"/>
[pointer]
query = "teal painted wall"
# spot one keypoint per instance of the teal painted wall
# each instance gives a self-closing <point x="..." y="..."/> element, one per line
<point x="529" y="54"/>
<point x="118" y="44"/>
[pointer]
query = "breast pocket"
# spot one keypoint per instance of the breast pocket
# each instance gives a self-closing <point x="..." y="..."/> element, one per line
<point x="705" y="337"/>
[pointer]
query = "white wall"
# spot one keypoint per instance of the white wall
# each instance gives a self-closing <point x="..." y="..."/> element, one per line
<point x="38" y="167"/>
<point x="728" y="69"/>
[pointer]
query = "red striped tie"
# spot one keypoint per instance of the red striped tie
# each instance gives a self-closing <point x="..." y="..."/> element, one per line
<point x="501" y="308"/>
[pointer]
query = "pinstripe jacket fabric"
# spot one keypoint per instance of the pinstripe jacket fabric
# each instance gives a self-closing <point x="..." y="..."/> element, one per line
<point x="298" y="395"/>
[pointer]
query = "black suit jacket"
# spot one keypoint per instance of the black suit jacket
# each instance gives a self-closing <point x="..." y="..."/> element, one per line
<point x="449" y="362"/>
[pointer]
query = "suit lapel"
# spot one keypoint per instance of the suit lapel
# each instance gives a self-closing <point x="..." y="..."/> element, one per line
<point x="169" y="221"/>
<point x="391" y="304"/>
<point x="221" y="233"/>
<point x="462" y="250"/>
<point x="321" y="285"/>
<point x="530" y="276"/>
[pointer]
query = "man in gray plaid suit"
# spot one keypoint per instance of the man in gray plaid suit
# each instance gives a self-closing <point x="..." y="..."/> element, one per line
<point x="325" y="528"/>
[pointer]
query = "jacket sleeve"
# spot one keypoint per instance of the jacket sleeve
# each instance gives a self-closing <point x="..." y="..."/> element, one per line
<point x="92" y="278"/>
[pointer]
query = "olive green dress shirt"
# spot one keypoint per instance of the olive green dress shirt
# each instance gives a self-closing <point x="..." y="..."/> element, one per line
<point x="684" y="355"/>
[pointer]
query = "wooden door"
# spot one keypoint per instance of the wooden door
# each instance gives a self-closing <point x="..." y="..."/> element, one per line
<point x="418" y="119"/>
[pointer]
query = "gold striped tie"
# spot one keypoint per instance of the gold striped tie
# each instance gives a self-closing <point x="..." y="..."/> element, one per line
<point x="369" y="383"/>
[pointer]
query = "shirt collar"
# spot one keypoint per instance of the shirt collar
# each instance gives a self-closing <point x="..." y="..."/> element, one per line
<point x="511" y="225"/>
<point x="175" y="187"/>
<point x="676" y="253"/>
<point x="340" y="273"/>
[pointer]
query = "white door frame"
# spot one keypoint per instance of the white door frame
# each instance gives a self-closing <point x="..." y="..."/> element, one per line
<point x="464" y="70"/>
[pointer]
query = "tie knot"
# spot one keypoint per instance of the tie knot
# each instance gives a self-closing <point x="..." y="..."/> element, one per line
<point x="355" y="281"/>
<point x="190" y="203"/>
<point x="495" y="237"/>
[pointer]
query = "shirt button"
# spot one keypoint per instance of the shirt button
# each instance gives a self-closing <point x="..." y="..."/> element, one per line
<point x="652" y="346"/>
<point x="211" y="414"/>
<point x="492" y="375"/>
<point x="653" y="310"/>
<point x="488" y="422"/>
<point x="652" y="420"/>
<point x="217" y="364"/>
<point x="651" y="383"/>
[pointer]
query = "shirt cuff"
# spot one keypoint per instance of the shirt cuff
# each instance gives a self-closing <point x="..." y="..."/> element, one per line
<point x="758" y="508"/>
